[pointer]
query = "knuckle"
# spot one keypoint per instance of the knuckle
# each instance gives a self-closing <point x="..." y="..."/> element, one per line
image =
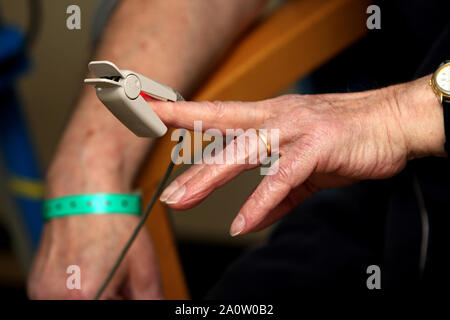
<point x="320" y="133"/>
<point x="284" y="98"/>
<point x="283" y="175"/>
<point x="217" y="108"/>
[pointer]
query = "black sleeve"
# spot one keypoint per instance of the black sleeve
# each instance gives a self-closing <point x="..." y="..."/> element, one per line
<point x="439" y="52"/>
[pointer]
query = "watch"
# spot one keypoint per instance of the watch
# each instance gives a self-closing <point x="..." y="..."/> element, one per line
<point x="440" y="82"/>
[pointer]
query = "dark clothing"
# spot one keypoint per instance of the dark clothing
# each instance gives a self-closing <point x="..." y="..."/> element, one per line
<point x="327" y="243"/>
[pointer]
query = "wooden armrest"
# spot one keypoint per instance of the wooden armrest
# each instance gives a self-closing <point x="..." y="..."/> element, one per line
<point x="297" y="38"/>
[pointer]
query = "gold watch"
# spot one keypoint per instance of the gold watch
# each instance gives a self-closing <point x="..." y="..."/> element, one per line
<point x="440" y="82"/>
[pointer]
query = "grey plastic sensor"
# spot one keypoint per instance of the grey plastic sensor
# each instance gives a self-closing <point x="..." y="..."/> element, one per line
<point x="120" y="91"/>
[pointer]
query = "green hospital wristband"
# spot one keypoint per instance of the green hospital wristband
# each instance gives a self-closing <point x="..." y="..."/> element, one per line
<point x="99" y="203"/>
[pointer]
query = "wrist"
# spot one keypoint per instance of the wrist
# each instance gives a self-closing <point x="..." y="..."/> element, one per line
<point x="420" y="118"/>
<point x="62" y="182"/>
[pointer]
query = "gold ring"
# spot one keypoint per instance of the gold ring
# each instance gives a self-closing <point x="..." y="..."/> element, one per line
<point x="265" y="140"/>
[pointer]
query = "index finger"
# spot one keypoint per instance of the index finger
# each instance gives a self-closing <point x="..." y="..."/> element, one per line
<point x="220" y="115"/>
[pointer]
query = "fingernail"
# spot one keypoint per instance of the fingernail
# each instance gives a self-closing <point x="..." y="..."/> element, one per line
<point x="238" y="225"/>
<point x="177" y="195"/>
<point x="168" y="191"/>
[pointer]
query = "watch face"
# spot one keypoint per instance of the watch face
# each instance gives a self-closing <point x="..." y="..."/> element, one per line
<point x="443" y="78"/>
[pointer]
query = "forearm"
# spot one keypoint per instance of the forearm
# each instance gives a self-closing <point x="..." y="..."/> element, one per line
<point x="174" y="42"/>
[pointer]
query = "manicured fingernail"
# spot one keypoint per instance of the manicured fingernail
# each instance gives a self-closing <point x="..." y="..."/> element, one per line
<point x="168" y="191"/>
<point x="177" y="195"/>
<point x="238" y="225"/>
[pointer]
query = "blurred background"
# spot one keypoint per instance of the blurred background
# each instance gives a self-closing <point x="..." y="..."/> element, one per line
<point x="42" y="67"/>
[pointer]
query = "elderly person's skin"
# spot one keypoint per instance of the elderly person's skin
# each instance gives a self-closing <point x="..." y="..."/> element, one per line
<point x="175" y="42"/>
<point x="325" y="141"/>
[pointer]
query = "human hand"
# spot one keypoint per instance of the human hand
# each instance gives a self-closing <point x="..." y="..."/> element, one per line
<point x="325" y="141"/>
<point x="93" y="243"/>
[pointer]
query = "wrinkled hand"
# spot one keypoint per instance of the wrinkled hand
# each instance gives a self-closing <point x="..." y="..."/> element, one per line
<point x="325" y="141"/>
<point x="93" y="243"/>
